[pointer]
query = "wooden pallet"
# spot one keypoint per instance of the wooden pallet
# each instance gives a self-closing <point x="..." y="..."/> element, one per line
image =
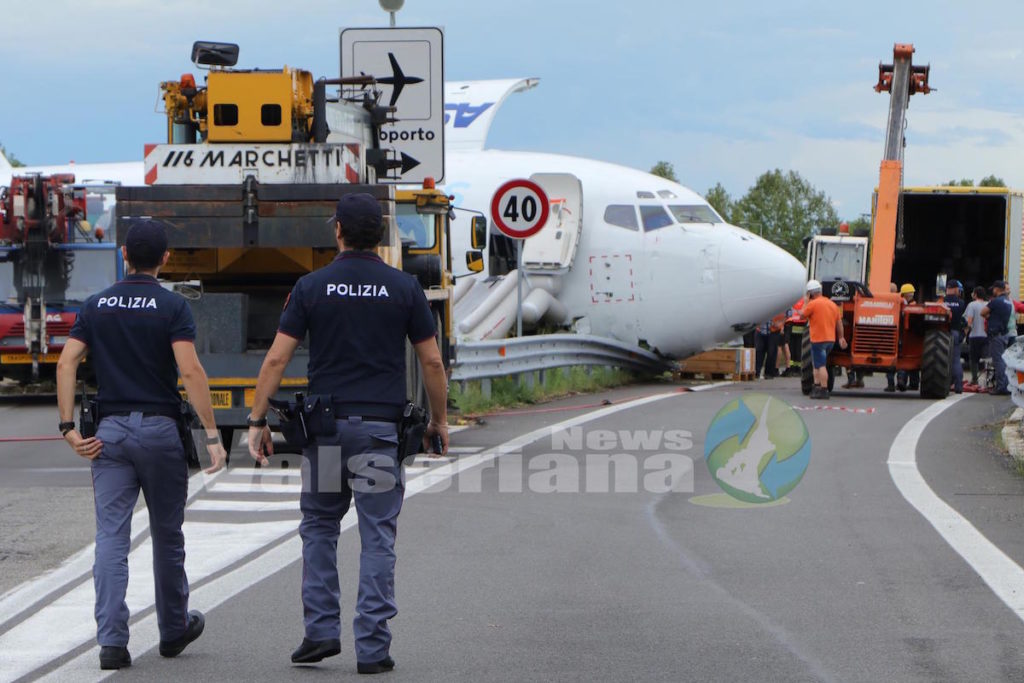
<point x="729" y="363"/>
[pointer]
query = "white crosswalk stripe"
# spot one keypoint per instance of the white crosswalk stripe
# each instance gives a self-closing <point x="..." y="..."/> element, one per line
<point x="219" y="532"/>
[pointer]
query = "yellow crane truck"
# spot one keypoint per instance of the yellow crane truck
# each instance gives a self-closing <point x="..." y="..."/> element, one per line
<point x="246" y="184"/>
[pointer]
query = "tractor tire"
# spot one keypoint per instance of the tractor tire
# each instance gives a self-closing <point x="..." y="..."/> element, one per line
<point x="806" y="368"/>
<point x="936" y="363"/>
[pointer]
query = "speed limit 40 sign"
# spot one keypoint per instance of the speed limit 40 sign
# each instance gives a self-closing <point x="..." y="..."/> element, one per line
<point x="520" y="208"/>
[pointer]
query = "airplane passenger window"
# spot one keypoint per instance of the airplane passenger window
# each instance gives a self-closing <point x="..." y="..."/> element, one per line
<point x="697" y="213"/>
<point x="654" y="217"/>
<point x="622" y="215"/>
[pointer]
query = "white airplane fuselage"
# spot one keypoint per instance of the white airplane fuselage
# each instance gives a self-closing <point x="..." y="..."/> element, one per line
<point x="677" y="289"/>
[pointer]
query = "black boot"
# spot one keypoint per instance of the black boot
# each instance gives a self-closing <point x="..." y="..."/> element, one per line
<point x="383" y="666"/>
<point x="113" y="657"/>
<point x="312" y="651"/>
<point x="196" y="624"/>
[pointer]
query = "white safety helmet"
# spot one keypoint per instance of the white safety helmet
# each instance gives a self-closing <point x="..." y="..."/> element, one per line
<point x="813" y="286"/>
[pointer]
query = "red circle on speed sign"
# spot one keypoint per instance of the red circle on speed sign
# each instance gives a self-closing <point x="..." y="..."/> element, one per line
<point x="520" y="208"/>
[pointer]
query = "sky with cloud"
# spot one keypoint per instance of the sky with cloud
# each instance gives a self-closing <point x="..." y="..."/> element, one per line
<point x="723" y="90"/>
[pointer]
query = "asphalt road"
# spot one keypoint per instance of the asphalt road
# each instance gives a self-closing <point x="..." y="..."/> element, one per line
<point x="501" y="580"/>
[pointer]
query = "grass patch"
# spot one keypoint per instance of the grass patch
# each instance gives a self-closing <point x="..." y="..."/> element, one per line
<point x="509" y="392"/>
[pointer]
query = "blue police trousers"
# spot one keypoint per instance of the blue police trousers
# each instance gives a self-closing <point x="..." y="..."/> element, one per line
<point x="996" y="348"/>
<point x="139" y="452"/>
<point x="360" y="461"/>
<point x="958" y="367"/>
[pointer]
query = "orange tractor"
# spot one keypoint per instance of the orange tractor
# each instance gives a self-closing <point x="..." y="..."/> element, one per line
<point x="883" y="332"/>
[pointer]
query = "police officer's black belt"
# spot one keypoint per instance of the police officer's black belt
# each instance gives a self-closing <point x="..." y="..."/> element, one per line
<point x="367" y="412"/>
<point x="145" y="413"/>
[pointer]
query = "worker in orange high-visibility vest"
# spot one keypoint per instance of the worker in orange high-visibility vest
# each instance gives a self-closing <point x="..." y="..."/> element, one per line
<point x="825" y="325"/>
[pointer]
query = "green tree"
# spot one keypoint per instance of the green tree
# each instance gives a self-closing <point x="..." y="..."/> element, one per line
<point x="720" y="201"/>
<point x="664" y="169"/>
<point x="963" y="182"/>
<point x="784" y="208"/>
<point x="10" y="157"/>
<point x="991" y="181"/>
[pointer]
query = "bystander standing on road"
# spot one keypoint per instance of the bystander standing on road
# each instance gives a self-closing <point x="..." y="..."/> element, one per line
<point x="890" y="376"/>
<point x="764" y="351"/>
<point x="977" y="338"/>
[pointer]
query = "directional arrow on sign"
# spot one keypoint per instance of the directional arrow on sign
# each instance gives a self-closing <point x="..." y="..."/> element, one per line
<point x="408" y="163"/>
<point x="382" y="160"/>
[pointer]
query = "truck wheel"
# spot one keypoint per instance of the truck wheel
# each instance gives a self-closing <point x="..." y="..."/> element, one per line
<point x="806" y="369"/>
<point x="935" y="364"/>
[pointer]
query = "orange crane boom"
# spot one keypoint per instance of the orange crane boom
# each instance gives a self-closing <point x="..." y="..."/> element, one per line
<point x="901" y="79"/>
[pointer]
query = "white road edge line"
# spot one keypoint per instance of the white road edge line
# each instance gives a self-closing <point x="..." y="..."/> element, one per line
<point x="1004" y="576"/>
<point x="145" y="635"/>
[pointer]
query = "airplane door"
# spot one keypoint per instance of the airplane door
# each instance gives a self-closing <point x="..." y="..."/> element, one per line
<point x="553" y="249"/>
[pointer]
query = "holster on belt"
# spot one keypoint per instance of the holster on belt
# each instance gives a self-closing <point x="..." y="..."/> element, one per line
<point x="186" y="421"/>
<point x="411" y="428"/>
<point x="88" y="412"/>
<point x="292" y="420"/>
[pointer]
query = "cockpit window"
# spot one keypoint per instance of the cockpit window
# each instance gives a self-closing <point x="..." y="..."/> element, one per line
<point x="697" y="213"/>
<point x="654" y="217"/>
<point x="622" y="215"/>
<point x="666" y="194"/>
<point x="644" y="194"/>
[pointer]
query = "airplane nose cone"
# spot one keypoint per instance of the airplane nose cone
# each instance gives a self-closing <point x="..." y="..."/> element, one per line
<point x="758" y="279"/>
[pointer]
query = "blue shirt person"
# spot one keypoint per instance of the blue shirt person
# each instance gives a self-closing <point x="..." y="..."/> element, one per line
<point x="358" y="313"/>
<point x="998" y="313"/>
<point x="140" y="336"/>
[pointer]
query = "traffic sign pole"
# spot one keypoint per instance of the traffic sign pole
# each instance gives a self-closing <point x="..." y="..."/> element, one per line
<point x="519" y="288"/>
<point x="520" y="209"/>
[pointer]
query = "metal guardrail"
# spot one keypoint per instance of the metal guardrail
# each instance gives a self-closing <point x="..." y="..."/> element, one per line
<point x="500" y="357"/>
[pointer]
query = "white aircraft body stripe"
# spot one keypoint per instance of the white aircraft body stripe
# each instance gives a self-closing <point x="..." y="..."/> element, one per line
<point x="1004" y="576"/>
<point x="145" y="636"/>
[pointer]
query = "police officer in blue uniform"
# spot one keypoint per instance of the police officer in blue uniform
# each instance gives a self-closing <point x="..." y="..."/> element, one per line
<point x="955" y="303"/>
<point x="358" y="313"/>
<point x="998" y="313"/>
<point x="139" y="337"/>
